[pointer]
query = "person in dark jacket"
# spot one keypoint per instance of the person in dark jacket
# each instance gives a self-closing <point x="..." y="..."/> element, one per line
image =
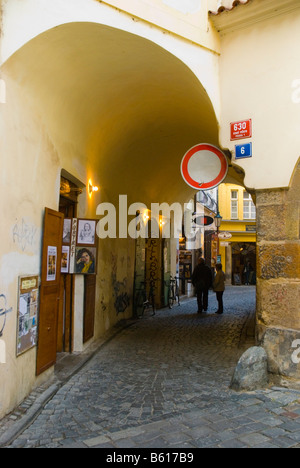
<point x="202" y="281"/>
<point x="219" y="287"/>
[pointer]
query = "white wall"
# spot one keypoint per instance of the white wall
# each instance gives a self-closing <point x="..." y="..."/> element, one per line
<point x="260" y="79"/>
<point x="24" y="20"/>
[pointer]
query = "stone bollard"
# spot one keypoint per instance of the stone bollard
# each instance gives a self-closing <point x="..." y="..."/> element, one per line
<point x="251" y="372"/>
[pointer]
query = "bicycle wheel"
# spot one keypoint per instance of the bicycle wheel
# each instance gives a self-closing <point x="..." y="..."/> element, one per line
<point x="139" y="304"/>
<point x="152" y="303"/>
<point x="170" y="299"/>
<point x="177" y="296"/>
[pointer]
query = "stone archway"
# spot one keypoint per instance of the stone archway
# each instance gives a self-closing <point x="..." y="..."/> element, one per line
<point x="278" y="285"/>
<point x="103" y="104"/>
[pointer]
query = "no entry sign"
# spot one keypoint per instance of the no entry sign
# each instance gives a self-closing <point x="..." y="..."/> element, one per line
<point x="204" y="167"/>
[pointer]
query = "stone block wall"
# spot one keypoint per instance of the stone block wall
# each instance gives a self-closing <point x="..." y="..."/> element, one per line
<point x="278" y="276"/>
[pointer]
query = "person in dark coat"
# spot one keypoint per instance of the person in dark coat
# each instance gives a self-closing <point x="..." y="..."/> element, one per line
<point x="202" y="281"/>
<point x="219" y="287"/>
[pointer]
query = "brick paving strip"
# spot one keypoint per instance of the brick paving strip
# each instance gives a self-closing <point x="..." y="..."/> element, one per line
<point x="161" y="382"/>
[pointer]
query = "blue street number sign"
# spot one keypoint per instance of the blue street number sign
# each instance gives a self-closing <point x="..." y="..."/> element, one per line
<point x="243" y="151"/>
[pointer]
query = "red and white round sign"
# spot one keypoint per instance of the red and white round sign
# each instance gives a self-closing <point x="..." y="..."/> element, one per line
<point x="204" y="167"/>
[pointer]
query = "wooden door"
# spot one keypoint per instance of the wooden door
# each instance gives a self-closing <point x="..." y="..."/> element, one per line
<point x="49" y="290"/>
<point x="89" y="307"/>
<point x="67" y="206"/>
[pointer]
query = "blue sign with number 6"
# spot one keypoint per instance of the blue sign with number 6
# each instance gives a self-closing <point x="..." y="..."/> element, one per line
<point x="243" y="151"/>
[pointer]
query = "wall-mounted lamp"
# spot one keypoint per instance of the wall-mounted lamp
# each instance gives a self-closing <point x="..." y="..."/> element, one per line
<point x="92" y="188"/>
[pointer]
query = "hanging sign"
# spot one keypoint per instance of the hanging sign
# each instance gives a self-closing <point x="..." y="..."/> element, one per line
<point x="203" y="220"/>
<point x="204" y="167"/>
<point x="225" y="235"/>
<point x="241" y="129"/>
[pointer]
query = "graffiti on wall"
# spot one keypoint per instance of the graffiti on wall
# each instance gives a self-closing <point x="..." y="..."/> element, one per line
<point x="121" y="297"/>
<point x="3" y="313"/>
<point x="153" y="250"/>
<point x="24" y="234"/>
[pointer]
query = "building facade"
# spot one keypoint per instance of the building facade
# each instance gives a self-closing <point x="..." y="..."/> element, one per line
<point x="111" y="94"/>
<point x="237" y="236"/>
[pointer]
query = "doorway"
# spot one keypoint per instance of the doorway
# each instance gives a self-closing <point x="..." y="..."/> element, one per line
<point x="243" y="263"/>
<point x="68" y="202"/>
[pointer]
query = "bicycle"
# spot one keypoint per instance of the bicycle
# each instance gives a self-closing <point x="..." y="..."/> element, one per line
<point x="173" y="294"/>
<point x="144" y="302"/>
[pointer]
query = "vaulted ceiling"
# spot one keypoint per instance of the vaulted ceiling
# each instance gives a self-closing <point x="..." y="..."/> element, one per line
<point x="118" y="104"/>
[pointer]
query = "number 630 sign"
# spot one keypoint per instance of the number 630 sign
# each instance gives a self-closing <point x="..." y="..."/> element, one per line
<point x="242" y="129"/>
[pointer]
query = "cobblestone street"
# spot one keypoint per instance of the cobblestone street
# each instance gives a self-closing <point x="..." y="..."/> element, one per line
<point x="163" y="382"/>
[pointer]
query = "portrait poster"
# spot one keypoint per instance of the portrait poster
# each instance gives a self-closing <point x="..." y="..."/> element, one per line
<point x="65" y="259"/>
<point x="86" y="232"/>
<point x="67" y="231"/>
<point x="51" y="263"/>
<point x="27" y="313"/>
<point x="85" y="260"/>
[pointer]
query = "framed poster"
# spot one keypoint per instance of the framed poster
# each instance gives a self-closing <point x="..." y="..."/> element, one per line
<point x="28" y="301"/>
<point x="86" y="232"/>
<point x="85" y="260"/>
<point x="79" y="250"/>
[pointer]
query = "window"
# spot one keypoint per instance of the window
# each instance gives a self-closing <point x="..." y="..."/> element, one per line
<point x="249" y="207"/>
<point x="234" y="204"/>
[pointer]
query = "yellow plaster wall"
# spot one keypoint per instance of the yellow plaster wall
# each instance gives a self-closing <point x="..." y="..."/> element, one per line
<point x="236" y="227"/>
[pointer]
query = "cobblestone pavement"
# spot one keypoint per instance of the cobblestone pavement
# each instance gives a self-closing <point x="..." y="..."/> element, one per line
<point x="163" y="382"/>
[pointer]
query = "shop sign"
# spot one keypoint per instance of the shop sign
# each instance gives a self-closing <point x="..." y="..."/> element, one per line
<point x="225" y="235"/>
<point x="203" y="220"/>
<point x="224" y="244"/>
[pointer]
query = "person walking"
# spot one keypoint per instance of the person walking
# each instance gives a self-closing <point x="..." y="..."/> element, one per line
<point x="202" y="281"/>
<point x="248" y="270"/>
<point x="219" y="287"/>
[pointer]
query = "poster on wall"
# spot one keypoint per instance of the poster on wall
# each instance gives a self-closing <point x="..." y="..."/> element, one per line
<point x="79" y="252"/>
<point x="65" y="259"/>
<point x="67" y="231"/>
<point x="28" y="301"/>
<point x="73" y="245"/>
<point x="86" y="232"/>
<point x="85" y="260"/>
<point x="51" y="263"/>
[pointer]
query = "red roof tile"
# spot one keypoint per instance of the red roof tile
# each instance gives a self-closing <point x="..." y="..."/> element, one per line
<point x="234" y="4"/>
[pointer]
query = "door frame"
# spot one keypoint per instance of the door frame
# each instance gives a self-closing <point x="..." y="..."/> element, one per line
<point x="49" y="291"/>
